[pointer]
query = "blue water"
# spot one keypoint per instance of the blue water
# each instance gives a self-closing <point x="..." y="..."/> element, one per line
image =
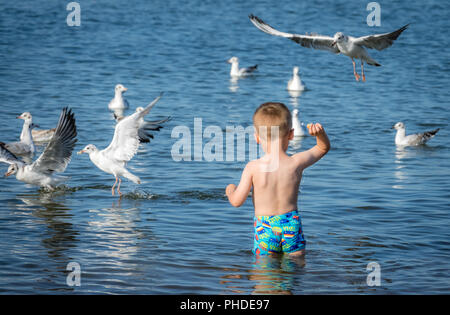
<point x="366" y="201"/>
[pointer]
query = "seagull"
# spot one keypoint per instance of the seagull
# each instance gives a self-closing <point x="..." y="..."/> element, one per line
<point x="26" y="145"/>
<point x="299" y="129"/>
<point x="54" y="159"/>
<point x="146" y="126"/>
<point x="118" y="102"/>
<point x="123" y="147"/>
<point x="295" y="84"/>
<point x="236" y="72"/>
<point x="353" y="47"/>
<point x="401" y="139"/>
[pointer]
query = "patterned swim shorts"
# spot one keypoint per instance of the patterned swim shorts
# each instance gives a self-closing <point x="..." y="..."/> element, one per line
<point x="278" y="233"/>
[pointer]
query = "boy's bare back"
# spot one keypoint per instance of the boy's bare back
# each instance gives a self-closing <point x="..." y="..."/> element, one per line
<point x="275" y="189"/>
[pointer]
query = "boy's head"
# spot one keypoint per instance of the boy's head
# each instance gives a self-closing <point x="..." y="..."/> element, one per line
<point x="270" y="115"/>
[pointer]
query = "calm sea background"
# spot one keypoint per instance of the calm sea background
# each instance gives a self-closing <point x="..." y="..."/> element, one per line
<point x="366" y="201"/>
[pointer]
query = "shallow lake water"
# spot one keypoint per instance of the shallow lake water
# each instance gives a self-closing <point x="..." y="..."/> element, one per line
<point x="366" y="201"/>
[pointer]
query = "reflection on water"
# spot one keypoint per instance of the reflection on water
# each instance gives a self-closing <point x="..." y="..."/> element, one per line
<point x="273" y="274"/>
<point x="234" y="86"/>
<point x="117" y="227"/>
<point x="400" y="154"/>
<point x="295" y="144"/>
<point x="294" y="99"/>
<point x="60" y="233"/>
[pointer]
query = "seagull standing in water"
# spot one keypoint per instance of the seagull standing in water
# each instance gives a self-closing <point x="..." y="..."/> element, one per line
<point x="353" y="47"/>
<point x="235" y="72"/>
<point x="26" y="145"/>
<point x="54" y="159"/>
<point x="295" y="84"/>
<point x="118" y="102"/>
<point x="401" y="139"/>
<point x="123" y="147"/>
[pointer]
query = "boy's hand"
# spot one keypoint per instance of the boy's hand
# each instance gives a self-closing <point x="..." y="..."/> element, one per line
<point x="315" y="129"/>
<point x="230" y="189"/>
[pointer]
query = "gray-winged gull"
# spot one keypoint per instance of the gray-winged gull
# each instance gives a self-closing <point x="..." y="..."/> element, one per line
<point x="353" y="47"/>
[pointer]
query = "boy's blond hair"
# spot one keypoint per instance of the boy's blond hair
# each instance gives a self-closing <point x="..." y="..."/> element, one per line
<point x="272" y="114"/>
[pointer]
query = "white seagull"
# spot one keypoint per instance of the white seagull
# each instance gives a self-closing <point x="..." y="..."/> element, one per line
<point x="26" y="145"/>
<point x="118" y="102"/>
<point x="123" y="147"/>
<point x="401" y="139"/>
<point x="295" y="84"/>
<point x="54" y="159"/>
<point x="242" y="72"/>
<point x="299" y="129"/>
<point x="353" y="47"/>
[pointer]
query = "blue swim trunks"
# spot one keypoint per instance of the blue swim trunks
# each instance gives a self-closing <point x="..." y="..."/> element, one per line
<point x="278" y="234"/>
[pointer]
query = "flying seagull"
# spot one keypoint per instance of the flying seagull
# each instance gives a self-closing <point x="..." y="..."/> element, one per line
<point x="54" y="159"/>
<point x="353" y="47"/>
<point x="123" y="147"/>
<point x="401" y="139"/>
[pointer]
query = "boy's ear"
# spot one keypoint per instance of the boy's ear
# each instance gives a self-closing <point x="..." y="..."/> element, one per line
<point x="291" y="134"/>
<point x="258" y="141"/>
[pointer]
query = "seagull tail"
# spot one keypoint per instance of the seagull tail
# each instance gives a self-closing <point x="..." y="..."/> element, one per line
<point x="132" y="177"/>
<point x="373" y="63"/>
<point x="430" y="134"/>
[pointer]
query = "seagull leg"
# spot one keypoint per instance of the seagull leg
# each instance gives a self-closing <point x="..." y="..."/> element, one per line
<point x="362" y="71"/>
<point x="354" y="70"/>
<point x="118" y="187"/>
<point x="112" y="189"/>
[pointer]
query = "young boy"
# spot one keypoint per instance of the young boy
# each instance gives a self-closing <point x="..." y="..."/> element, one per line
<point x="275" y="179"/>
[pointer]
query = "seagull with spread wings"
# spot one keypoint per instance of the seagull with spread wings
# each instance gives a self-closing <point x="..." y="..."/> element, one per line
<point x="353" y="47"/>
<point x="123" y="147"/>
<point x="54" y="159"/>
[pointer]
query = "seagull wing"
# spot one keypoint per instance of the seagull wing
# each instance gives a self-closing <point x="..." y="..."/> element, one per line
<point x="309" y="41"/>
<point x="151" y="123"/>
<point x="146" y="126"/>
<point x="125" y="142"/>
<point x="7" y="157"/>
<point x="379" y="41"/>
<point x="58" y="152"/>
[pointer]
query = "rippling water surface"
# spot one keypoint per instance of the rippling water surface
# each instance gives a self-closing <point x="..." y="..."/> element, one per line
<point x="176" y="233"/>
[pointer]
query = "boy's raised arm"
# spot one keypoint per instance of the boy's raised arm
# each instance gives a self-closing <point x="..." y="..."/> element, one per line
<point x="238" y="195"/>
<point x="311" y="156"/>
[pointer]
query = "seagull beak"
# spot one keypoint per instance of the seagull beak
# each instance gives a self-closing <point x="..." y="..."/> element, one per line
<point x="333" y="43"/>
<point x="7" y="174"/>
<point x="393" y="127"/>
<point x="19" y="117"/>
<point x="81" y="152"/>
<point x="125" y="89"/>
